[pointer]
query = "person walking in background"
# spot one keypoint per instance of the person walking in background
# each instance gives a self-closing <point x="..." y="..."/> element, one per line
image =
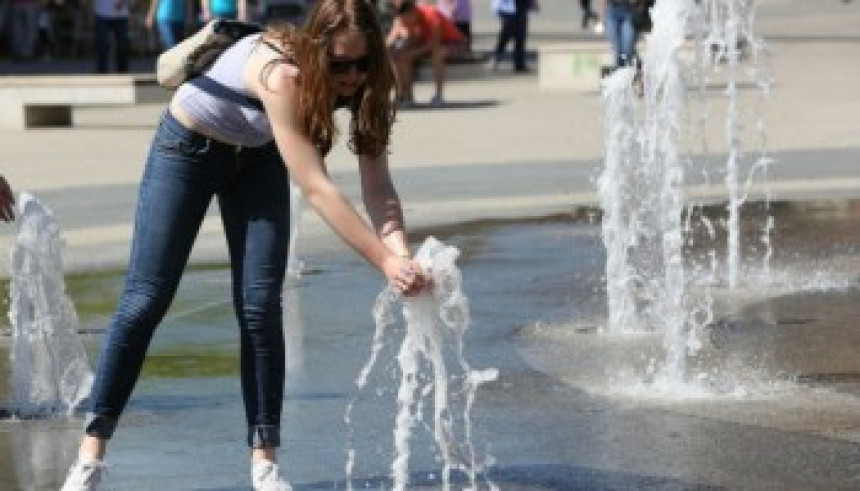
<point x="620" y="30"/>
<point x="168" y="18"/>
<point x="514" y="17"/>
<point x="625" y="21"/>
<point x="590" y="17"/>
<point x="44" y="45"/>
<point x="7" y="201"/>
<point x="223" y="9"/>
<point x="111" y="19"/>
<point x="460" y="13"/>
<point x="270" y="119"/>
<point x="24" y="25"/>
<point x="419" y="31"/>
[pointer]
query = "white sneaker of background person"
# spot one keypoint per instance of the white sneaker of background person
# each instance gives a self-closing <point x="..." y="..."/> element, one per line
<point x="265" y="476"/>
<point x="85" y="476"/>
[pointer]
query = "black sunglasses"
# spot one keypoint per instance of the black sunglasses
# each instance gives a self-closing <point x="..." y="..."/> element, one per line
<point x="344" y="65"/>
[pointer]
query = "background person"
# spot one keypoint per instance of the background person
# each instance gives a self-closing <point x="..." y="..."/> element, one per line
<point x="286" y="84"/>
<point x="111" y="23"/>
<point x="589" y="16"/>
<point x="7" y="201"/>
<point x="419" y="31"/>
<point x="620" y="30"/>
<point x="223" y="9"/>
<point x="24" y="25"/>
<point x="460" y="13"/>
<point x="514" y="17"/>
<point x="168" y="18"/>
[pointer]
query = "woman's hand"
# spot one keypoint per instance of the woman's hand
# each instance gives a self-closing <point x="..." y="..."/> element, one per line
<point x="405" y="275"/>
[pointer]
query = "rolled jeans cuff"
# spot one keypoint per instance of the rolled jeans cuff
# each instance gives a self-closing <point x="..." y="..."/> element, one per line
<point x="260" y="436"/>
<point x="99" y="426"/>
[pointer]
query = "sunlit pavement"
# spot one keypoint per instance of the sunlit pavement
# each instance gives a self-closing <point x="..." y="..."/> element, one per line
<point x="502" y="149"/>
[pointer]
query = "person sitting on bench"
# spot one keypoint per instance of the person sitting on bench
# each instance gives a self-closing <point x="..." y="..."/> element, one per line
<point x="419" y="31"/>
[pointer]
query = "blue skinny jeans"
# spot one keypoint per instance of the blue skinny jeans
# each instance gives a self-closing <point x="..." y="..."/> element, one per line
<point x="183" y="172"/>
<point x="618" y="23"/>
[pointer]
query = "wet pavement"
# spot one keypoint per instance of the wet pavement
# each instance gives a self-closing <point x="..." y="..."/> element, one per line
<point x="565" y="413"/>
<point x="549" y="421"/>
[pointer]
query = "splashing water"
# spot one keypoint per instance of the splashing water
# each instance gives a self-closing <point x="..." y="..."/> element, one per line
<point x="50" y="371"/>
<point x="727" y="37"/>
<point x="649" y="285"/>
<point x="293" y="325"/>
<point x="435" y="326"/>
<point x="294" y="264"/>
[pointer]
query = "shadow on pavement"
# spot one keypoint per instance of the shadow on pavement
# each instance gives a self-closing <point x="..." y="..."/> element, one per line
<point x="426" y="106"/>
<point x="546" y="476"/>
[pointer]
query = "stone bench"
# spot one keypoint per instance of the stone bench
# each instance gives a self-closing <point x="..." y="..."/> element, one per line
<point x="455" y="69"/>
<point x="30" y="101"/>
<point x="573" y="66"/>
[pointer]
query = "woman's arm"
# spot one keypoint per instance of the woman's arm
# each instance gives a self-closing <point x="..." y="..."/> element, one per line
<point x="383" y="204"/>
<point x="308" y="170"/>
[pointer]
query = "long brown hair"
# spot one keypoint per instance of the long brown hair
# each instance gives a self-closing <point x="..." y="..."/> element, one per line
<point x="372" y="106"/>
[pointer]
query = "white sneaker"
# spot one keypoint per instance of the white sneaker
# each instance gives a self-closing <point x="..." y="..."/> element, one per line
<point x="84" y="476"/>
<point x="265" y="476"/>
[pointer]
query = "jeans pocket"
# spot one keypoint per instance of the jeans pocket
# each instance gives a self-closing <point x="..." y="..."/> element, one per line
<point x="173" y="139"/>
<point x="185" y="147"/>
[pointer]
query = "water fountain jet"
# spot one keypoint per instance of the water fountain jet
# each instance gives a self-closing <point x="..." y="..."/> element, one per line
<point x="648" y="216"/>
<point x="50" y="371"/>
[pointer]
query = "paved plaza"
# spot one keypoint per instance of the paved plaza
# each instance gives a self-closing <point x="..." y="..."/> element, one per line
<point x="501" y="149"/>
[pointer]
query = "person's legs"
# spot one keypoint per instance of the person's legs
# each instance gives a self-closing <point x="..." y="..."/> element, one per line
<point x="622" y="35"/>
<point x="520" y="27"/>
<point x="403" y="70"/>
<point x="122" y="45"/>
<point x="43" y="46"/>
<point x="181" y="175"/>
<point x="22" y="48"/>
<point x="627" y="40"/>
<point x="465" y="28"/>
<point x="506" y="32"/>
<point x="255" y="209"/>
<point x="438" y="59"/>
<point x="588" y="14"/>
<point x="611" y="23"/>
<point x="102" y="44"/>
<point x="32" y="29"/>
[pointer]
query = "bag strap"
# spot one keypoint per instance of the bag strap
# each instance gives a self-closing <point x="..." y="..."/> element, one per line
<point x="273" y="47"/>
<point x="213" y="87"/>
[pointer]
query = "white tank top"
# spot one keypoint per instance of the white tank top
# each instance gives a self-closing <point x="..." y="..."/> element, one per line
<point x="224" y="119"/>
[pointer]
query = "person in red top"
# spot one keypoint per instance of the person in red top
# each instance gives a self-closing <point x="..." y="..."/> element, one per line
<point x="419" y="31"/>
